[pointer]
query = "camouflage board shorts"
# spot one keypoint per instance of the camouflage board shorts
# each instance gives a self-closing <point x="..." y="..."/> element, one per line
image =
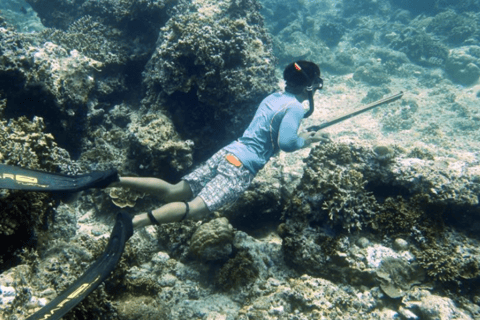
<point x="219" y="182"/>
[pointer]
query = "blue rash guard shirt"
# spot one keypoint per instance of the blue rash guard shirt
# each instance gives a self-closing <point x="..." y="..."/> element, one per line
<point x="274" y="127"/>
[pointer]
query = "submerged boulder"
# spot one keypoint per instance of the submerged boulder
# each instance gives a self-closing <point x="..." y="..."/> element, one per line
<point x="462" y="66"/>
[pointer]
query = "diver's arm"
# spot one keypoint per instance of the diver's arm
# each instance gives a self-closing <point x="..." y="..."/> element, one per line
<point x="288" y="139"/>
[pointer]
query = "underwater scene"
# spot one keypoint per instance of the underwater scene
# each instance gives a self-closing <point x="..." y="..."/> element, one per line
<point x="371" y="215"/>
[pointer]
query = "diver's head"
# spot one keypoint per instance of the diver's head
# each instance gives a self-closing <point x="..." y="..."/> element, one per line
<point x="301" y="76"/>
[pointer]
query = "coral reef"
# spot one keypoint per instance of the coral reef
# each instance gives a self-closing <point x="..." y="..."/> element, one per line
<point x="41" y="278"/>
<point x="93" y="39"/>
<point x="400" y="118"/>
<point x="307" y="297"/>
<point x="351" y="188"/>
<point x="355" y="7"/>
<point x="387" y="215"/>
<point x="428" y="306"/>
<point x="331" y="193"/>
<point x="82" y="71"/>
<point x="213" y="64"/>
<point x="41" y="78"/>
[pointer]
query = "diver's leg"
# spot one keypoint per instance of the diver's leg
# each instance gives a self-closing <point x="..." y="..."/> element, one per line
<point x="173" y="212"/>
<point x="165" y="191"/>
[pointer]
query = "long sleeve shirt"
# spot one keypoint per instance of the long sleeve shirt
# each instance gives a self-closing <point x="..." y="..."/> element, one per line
<point x="274" y="127"/>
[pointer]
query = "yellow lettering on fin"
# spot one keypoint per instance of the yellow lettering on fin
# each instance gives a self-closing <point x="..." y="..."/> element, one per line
<point x="8" y="176"/>
<point x="26" y="179"/>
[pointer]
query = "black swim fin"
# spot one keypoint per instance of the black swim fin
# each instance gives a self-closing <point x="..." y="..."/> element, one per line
<point x="17" y="178"/>
<point x="96" y="274"/>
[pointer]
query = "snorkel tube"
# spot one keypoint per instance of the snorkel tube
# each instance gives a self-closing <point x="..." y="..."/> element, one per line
<point x="313" y="83"/>
<point x="311" y="104"/>
<point x="316" y="85"/>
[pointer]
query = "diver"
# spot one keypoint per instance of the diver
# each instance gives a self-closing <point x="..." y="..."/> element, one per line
<point x="222" y="178"/>
<point x="229" y="172"/>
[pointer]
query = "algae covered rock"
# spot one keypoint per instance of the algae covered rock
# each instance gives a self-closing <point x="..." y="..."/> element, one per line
<point x="430" y="306"/>
<point x="156" y="144"/>
<point x="125" y="14"/>
<point x="456" y="28"/>
<point x="61" y="71"/>
<point x="419" y="46"/>
<point x="331" y="33"/>
<point x="373" y="74"/>
<point x="238" y="271"/>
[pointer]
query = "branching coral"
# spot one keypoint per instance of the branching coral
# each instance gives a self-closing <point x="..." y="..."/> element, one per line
<point x="345" y="198"/>
<point x="441" y="263"/>
<point x="331" y="190"/>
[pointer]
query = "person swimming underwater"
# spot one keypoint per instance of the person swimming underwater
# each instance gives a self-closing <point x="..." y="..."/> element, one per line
<point x="228" y="173"/>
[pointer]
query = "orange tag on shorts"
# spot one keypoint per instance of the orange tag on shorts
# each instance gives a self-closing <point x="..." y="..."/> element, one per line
<point x="233" y="160"/>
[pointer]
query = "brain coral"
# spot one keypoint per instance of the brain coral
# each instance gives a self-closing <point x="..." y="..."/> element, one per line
<point x="212" y="240"/>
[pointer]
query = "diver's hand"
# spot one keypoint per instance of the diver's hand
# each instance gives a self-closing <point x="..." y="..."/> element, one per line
<point x="314" y="136"/>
